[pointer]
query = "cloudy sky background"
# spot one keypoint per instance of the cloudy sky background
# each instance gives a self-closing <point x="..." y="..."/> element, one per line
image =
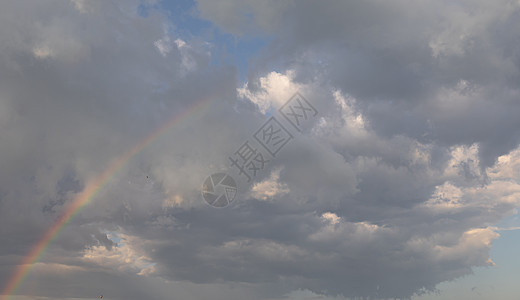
<point x="405" y="185"/>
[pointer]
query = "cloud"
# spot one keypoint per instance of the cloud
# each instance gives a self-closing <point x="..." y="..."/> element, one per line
<point x="270" y="188"/>
<point x="124" y="257"/>
<point x="273" y="91"/>
<point x="420" y="106"/>
<point x="393" y="188"/>
<point x="401" y="73"/>
<point x="80" y="86"/>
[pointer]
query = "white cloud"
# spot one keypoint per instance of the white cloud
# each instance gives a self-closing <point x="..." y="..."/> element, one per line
<point x="472" y="247"/>
<point x="270" y="188"/>
<point x="164" y="45"/>
<point x="273" y="91"/>
<point x="42" y="52"/>
<point x="127" y="256"/>
<point x="81" y="5"/>
<point x="330" y="217"/>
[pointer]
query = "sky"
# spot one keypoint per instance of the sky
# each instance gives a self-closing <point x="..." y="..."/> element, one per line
<point x="263" y="150"/>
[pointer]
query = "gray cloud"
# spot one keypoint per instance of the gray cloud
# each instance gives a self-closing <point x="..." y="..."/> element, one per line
<point x="407" y="59"/>
<point x="388" y="192"/>
<point x="429" y="80"/>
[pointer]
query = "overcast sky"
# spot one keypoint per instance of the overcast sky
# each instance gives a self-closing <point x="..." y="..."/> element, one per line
<point x="402" y="181"/>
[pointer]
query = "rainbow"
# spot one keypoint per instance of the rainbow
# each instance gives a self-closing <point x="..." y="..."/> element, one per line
<point x="89" y="192"/>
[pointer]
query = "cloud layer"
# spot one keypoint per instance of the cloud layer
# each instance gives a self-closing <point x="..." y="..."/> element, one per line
<point x="393" y="188"/>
